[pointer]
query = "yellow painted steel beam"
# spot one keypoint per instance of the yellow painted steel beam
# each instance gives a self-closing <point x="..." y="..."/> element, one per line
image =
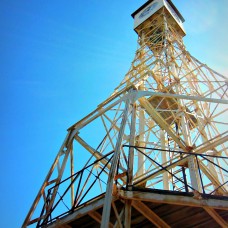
<point x="174" y="199"/>
<point x="149" y="214"/>
<point x="97" y="217"/>
<point x="181" y="96"/>
<point x="161" y="122"/>
<point x="216" y="217"/>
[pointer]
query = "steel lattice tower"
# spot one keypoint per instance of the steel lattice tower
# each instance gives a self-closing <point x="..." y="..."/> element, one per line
<point x="156" y="148"/>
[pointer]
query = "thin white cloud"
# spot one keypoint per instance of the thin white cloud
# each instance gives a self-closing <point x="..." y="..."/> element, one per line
<point x="203" y="15"/>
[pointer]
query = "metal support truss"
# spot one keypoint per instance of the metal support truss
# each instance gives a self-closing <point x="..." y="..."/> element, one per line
<point x="160" y="138"/>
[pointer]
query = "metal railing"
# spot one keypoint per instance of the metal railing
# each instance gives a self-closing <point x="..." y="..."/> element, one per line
<point x="85" y="181"/>
<point x="86" y="189"/>
<point x="202" y="161"/>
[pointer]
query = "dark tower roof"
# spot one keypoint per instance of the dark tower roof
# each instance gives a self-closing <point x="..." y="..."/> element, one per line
<point x="149" y="1"/>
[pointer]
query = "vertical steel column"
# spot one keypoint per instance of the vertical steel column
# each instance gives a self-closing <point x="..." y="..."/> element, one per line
<point x="141" y="139"/>
<point x="191" y="163"/>
<point x="127" y="221"/>
<point x="132" y="143"/>
<point x="141" y="157"/>
<point x="72" y="173"/>
<point x="108" y="195"/>
<point x="164" y="160"/>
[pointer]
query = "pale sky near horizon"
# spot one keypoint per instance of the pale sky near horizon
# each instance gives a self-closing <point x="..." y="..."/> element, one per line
<point x="58" y="62"/>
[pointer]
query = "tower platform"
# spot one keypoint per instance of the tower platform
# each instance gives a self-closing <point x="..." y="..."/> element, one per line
<point x="151" y="208"/>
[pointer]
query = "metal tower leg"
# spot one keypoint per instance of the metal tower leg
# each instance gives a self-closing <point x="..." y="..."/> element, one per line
<point x="108" y="195"/>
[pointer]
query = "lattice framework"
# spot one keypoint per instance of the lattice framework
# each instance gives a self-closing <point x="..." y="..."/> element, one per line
<point x="164" y="127"/>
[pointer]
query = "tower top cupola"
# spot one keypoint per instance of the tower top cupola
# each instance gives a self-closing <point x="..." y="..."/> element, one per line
<point x="148" y="11"/>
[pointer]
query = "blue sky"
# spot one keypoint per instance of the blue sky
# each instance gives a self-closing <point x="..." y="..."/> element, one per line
<point x="58" y="61"/>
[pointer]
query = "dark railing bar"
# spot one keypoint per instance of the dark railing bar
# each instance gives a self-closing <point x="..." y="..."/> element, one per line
<point x="63" y="202"/>
<point x="94" y="180"/>
<point x="79" y="184"/>
<point x="165" y="168"/>
<point x="43" y="208"/>
<point x="96" y="176"/>
<point x="175" y="151"/>
<point x="201" y="180"/>
<point x="67" y="189"/>
<point x="218" y="187"/>
<point x="167" y="165"/>
<point x="67" y="212"/>
<point x="215" y="164"/>
<point x="82" y="169"/>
